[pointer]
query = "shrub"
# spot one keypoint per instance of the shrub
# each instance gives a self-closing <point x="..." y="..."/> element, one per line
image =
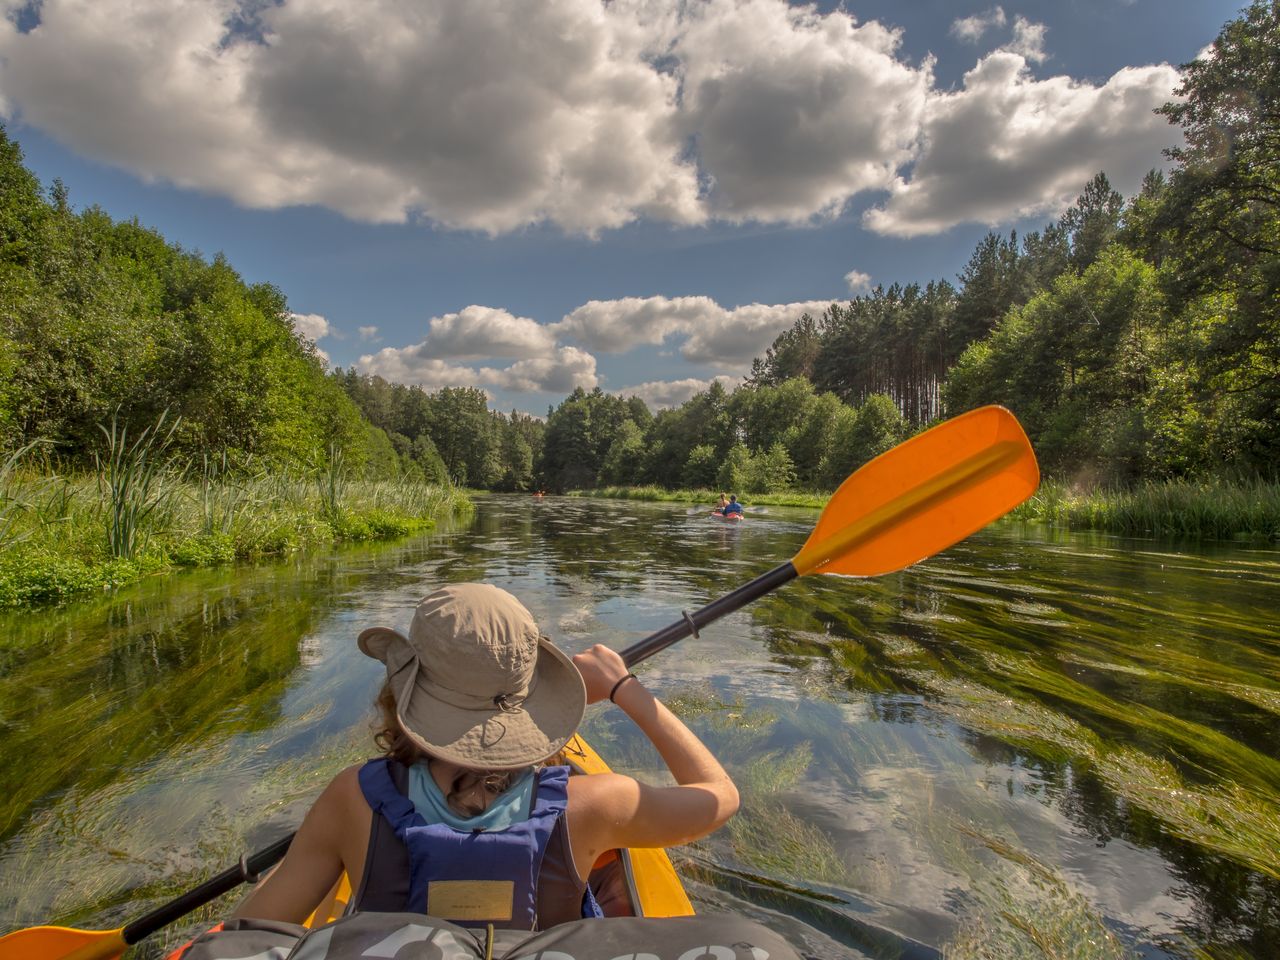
<point x="700" y="468"/>
<point x="771" y="471"/>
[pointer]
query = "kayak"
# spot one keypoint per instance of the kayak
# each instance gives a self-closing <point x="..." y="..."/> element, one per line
<point x="634" y="882"/>
<point x="729" y="518"/>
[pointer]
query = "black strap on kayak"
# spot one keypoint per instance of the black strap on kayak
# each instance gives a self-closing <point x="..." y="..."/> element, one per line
<point x="246" y="871"/>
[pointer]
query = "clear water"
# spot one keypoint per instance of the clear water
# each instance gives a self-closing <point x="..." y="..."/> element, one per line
<point x="1035" y="744"/>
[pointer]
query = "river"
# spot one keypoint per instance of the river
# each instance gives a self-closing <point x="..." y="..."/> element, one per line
<point x="1035" y="737"/>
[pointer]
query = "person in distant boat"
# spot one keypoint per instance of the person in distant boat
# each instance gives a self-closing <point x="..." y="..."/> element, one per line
<point x="733" y="506"/>
<point x="724" y="502"/>
<point x="467" y="816"/>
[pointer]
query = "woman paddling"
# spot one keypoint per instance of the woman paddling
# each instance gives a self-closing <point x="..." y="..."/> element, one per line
<point x="460" y="818"/>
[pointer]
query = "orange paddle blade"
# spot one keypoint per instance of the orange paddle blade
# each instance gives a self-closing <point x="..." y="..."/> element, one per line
<point x="923" y="495"/>
<point x="62" y="943"/>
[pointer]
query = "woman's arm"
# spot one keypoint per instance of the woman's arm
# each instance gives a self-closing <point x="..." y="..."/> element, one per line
<point x="618" y="811"/>
<point x="312" y="865"/>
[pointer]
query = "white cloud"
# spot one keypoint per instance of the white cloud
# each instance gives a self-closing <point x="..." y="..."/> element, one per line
<point x="491" y="116"/>
<point x="671" y="393"/>
<point x="569" y="367"/>
<point x="369" y="334"/>
<point x="477" y="332"/>
<point x="413" y="365"/>
<point x="1009" y="146"/>
<point x="475" y="113"/>
<point x="733" y="340"/>
<point x="714" y="335"/>
<point x="857" y="281"/>
<point x="971" y="29"/>
<point x="1028" y="39"/>
<point x="561" y="373"/>
<point x="310" y="325"/>
<point x="794" y="112"/>
<point x="616" y="326"/>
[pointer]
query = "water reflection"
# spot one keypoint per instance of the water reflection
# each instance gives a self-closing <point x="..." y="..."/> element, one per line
<point x="1067" y="734"/>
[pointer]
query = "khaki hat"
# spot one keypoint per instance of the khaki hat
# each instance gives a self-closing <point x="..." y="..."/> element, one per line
<point x="475" y="682"/>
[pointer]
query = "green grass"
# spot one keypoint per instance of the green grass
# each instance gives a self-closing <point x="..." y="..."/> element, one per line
<point x="1210" y="509"/>
<point x="61" y="536"/>
<point x="1199" y="509"/>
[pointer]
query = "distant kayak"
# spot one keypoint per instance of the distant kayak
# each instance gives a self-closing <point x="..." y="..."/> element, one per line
<point x="731" y="518"/>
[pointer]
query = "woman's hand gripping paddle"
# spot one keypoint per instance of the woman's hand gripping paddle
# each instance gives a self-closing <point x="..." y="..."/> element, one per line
<point x="907" y="504"/>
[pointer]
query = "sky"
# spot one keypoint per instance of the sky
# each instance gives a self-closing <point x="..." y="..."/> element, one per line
<point x="640" y="195"/>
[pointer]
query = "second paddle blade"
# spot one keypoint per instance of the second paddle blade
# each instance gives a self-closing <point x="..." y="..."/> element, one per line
<point x="61" y="943"/>
<point x="923" y="495"/>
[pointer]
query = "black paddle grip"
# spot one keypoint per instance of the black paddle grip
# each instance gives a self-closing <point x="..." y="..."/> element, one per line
<point x="690" y="623"/>
<point x="246" y="870"/>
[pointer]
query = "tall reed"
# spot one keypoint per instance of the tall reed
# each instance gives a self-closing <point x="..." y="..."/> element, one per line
<point x="223" y="495"/>
<point x="131" y="481"/>
<point x="331" y="482"/>
<point x="12" y="506"/>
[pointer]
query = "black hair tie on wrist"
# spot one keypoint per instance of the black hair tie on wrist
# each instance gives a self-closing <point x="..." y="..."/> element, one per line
<point x="629" y="676"/>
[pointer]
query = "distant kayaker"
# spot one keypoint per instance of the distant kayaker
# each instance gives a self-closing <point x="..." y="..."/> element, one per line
<point x="724" y="502"/>
<point x="733" y="506"/>
<point x="463" y="817"/>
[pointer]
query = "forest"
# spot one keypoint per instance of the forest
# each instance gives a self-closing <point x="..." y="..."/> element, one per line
<point x="1137" y="339"/>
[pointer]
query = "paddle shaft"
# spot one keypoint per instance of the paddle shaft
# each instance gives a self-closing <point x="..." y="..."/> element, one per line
<point x="691" y="623"/>
<point x="246" y="871"/>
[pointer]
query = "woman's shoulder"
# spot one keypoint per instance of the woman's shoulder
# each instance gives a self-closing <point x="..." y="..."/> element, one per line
<point x="344" y="789"/>
<point x="600" y="790"/>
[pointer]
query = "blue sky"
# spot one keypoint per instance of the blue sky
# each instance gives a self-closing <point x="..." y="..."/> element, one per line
<point x="637" y="195"/>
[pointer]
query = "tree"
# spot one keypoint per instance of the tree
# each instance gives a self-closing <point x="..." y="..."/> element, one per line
<point x="735" y="471"/>
<point x="625" y="459"/>
<point x="464" y="434"/>
<point x="771" y="470"/>
<point x="1093" y="221"/>
<point x="792" y="354"/>
<point x="989" y="286"/>
<point x="1221" y="222"/>
<point x="701" y="467"/>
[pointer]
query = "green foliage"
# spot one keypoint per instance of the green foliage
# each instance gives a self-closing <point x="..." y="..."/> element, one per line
<point x="862" y="435"/>
<point x="700" y="469"/>
<point x="771" y="471"/>
<point x="41" y="577"/>
<point x="57" y="552"/>
<point x="131" y="478"/>
<point x="1075" y="364"/>
<point x="99" y="318"/>
<point x="736" y="470"/>
<point x="625" y="460"/>
<point x="331" y="483"/>
<point x="204" y="550"/>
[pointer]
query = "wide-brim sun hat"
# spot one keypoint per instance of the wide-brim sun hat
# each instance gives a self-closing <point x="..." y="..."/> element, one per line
<point x="475" y="682"/>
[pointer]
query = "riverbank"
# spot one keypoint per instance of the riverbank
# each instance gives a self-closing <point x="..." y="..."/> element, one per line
<point x="790" y="498"/>
<point x="64" y="538"/>
<point x="1205" y="509"/>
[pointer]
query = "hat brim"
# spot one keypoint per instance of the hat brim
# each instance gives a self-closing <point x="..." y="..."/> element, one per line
<point x="494" y="739"/>
<point x="376" y="641"/>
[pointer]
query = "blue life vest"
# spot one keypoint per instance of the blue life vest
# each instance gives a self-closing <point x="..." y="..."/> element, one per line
<point x="479" y="877"/>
